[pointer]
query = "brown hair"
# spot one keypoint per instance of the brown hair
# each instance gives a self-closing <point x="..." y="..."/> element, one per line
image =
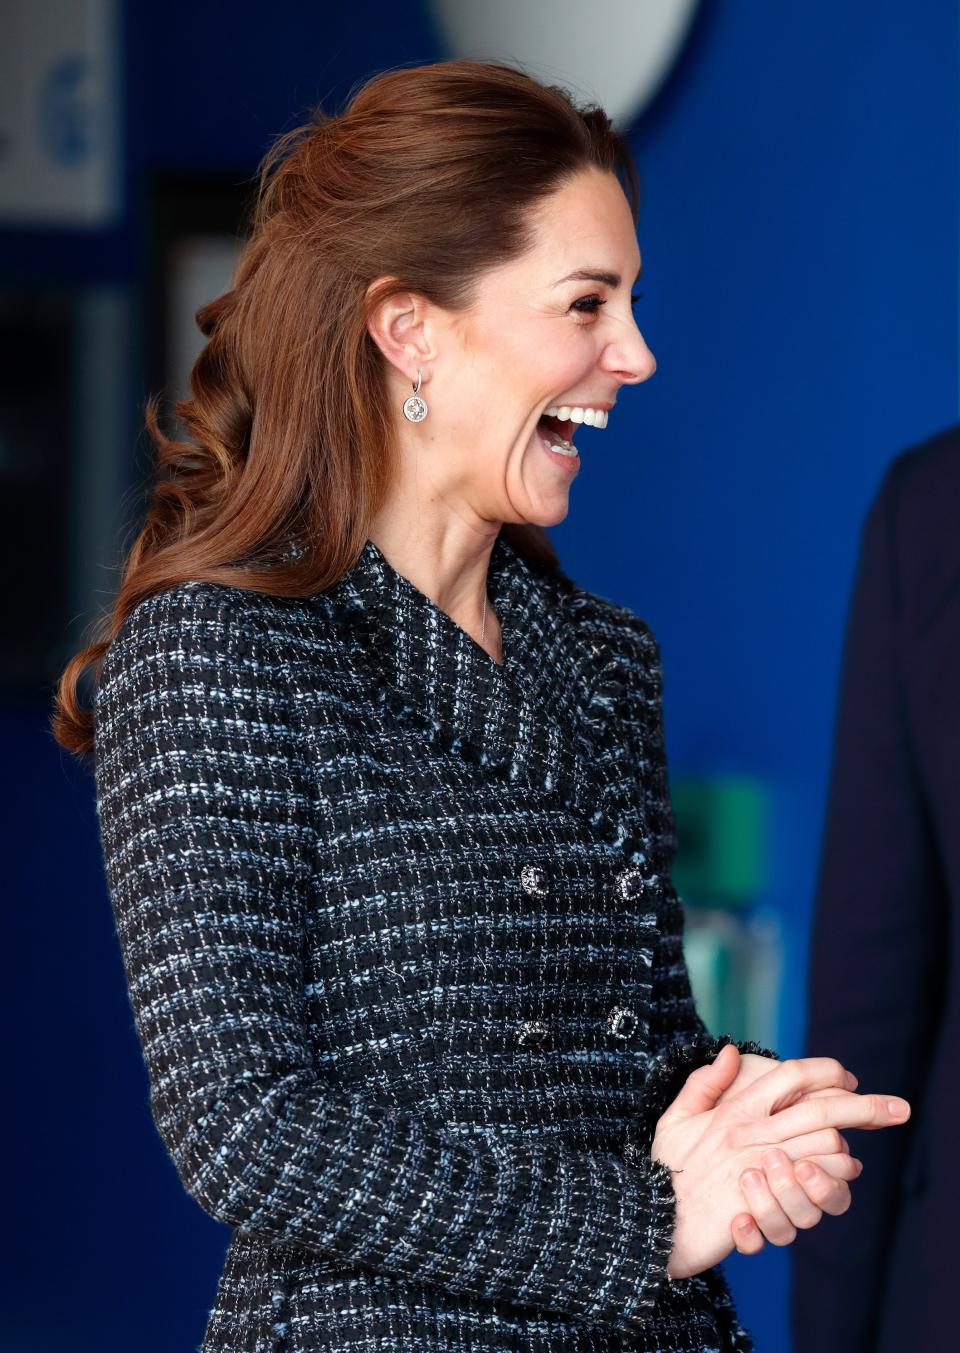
<point x="424" y="179"/>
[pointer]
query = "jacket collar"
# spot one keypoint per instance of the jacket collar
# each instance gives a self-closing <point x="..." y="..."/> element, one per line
<point x="556" y="716"/>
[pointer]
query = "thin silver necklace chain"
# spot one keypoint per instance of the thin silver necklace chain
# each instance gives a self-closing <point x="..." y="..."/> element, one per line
<point x="483" y="622"/>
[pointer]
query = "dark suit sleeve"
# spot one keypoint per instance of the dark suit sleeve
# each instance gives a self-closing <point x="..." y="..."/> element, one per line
<point x="872" y="977"/>
<point x="196" y="755"/>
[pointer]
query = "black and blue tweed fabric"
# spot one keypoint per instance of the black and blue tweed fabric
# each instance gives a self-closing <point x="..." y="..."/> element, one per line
<point x="405" y="961"/>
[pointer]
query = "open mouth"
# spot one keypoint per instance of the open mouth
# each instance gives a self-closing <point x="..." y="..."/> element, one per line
<point x="553" y="426"/>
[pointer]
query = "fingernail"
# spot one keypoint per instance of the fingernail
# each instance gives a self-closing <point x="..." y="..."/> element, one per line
<point x="744" y="1225"/>
<point x="806" y="1171"/>
<point x="752" y="1179"/>
<point x="899" y="1108"/>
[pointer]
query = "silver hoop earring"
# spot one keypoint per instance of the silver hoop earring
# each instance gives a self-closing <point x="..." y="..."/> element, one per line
<point x="415" y="408"/>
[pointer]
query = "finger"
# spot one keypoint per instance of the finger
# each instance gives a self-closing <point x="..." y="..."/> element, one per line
<point x="826" y="1193"/>
<point x="822" y="1143"/>
<point x="839" y="1166"/>
<point x="848" y="1082"/>
<point x="747" y="1236"/>
<point x="704" y="1086"/>
<point x="791" y="1080"/>
<point x="840" y="1109"/>
<point x="822" y="1094"/>
<point x="765" y="1208"/>
<point x="788" y="1081"/>
<point x="790" y="1190"/>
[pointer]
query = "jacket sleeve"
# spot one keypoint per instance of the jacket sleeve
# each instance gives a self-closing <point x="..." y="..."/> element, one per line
<point x="880" y="934"/>
<point x="196" y="753"/>
<point x="679" y="1040"/>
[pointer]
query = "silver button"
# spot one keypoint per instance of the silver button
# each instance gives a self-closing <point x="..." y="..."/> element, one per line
<point x="631" y="884"/>
<point x="622" y="1021"/>
<point x="534" y="880"/>
<point x="532" y="1031"/>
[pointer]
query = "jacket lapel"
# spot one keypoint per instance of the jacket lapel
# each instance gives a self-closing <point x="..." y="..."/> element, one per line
<point x="567" y="713"/>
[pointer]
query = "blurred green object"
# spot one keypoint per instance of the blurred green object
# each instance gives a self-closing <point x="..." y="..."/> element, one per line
<point x="721" y="825"/>
<point x="735" y="960"/>
<point x="733" y="945"/>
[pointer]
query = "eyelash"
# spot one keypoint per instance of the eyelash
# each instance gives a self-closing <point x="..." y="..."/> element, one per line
<point x="596" y="301"/>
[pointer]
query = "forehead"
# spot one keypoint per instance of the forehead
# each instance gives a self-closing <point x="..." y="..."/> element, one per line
<point x="585" y="222"/>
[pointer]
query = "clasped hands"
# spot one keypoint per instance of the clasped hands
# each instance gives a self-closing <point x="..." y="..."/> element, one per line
<point x="743" y="1129"/>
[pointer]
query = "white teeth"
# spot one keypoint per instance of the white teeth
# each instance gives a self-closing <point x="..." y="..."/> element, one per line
<point x="561" y="446"/>
<point x="595" y="418"/>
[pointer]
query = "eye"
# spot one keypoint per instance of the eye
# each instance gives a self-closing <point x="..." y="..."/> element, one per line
<point x="590" y="305"/>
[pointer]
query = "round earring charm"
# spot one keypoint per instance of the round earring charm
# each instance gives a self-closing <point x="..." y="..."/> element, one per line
<point x="415" y="408"/>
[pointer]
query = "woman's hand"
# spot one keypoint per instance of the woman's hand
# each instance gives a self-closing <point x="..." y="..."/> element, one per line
<point x="710" y="1145"/>
<point x="789" y="1195"/>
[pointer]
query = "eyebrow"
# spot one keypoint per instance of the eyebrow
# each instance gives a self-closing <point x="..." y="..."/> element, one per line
<point x="609" y="279"/>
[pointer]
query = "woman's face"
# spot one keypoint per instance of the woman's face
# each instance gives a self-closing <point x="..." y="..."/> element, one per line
<point x="535" y="338"/>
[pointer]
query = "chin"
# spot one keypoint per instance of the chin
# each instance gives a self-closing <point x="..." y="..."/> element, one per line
<point x="552" y="516"/>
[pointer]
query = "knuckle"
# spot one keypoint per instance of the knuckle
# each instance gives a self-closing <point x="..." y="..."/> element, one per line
<point x="837" y="1069"/>
<point x="836" y="1140"/>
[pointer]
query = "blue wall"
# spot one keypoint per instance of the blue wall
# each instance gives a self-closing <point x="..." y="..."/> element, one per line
<point x="799" y="233"/>
<point x="800" y="229"/>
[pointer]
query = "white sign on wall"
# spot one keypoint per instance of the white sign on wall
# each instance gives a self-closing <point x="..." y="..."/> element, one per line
<point x="59" y="113"/>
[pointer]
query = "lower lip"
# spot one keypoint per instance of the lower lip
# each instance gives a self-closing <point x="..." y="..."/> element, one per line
<point x="569" y="463"/>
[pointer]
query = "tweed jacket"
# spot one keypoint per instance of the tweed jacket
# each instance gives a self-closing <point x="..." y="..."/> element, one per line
<point x="405" y="960"/>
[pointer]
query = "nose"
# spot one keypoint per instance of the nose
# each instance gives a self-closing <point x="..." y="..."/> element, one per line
<point x="630" y="359"/>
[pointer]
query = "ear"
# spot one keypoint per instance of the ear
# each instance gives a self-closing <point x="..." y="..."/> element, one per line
<point x="402" y="326"/>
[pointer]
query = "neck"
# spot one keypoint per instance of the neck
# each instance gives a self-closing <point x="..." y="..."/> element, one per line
<point x="448" y="564"/>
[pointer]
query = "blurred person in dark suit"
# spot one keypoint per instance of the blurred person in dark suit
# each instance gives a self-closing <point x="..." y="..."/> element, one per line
<point x="883" y="976"/>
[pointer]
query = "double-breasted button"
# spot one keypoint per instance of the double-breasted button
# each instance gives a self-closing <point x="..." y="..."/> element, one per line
<point x="631" y="884"/>
<point x="532" y="1032"/>
<point x="534" y="880"/>
<point x="622" y="1022"/>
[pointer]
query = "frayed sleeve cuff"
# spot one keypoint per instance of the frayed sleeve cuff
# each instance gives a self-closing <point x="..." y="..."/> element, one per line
<point x="665" y="1078"/>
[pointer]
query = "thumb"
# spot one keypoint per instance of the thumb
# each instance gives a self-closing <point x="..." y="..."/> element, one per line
<point x="704" y="1086"/>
